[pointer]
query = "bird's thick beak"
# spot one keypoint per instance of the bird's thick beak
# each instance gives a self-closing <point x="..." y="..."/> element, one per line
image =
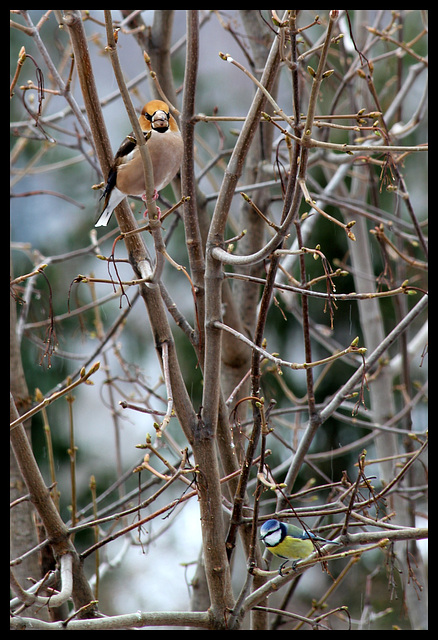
<point x="160" y="120"/>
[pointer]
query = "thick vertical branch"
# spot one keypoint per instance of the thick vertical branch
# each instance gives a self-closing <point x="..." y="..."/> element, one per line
<point x="188" y="184"/>
<point x="214" y="274"/>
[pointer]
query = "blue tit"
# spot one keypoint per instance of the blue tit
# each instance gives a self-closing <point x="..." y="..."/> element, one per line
<point x="289" y="542"/>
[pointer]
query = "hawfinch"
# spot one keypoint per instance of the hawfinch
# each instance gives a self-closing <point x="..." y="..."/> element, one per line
<point x="126" y="175"/>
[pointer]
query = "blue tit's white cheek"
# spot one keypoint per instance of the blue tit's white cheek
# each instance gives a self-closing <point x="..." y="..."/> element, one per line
<point x="272" y="539"/>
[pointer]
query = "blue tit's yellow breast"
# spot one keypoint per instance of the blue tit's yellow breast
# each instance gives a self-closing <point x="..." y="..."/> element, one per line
<point x="293" y="548"/>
